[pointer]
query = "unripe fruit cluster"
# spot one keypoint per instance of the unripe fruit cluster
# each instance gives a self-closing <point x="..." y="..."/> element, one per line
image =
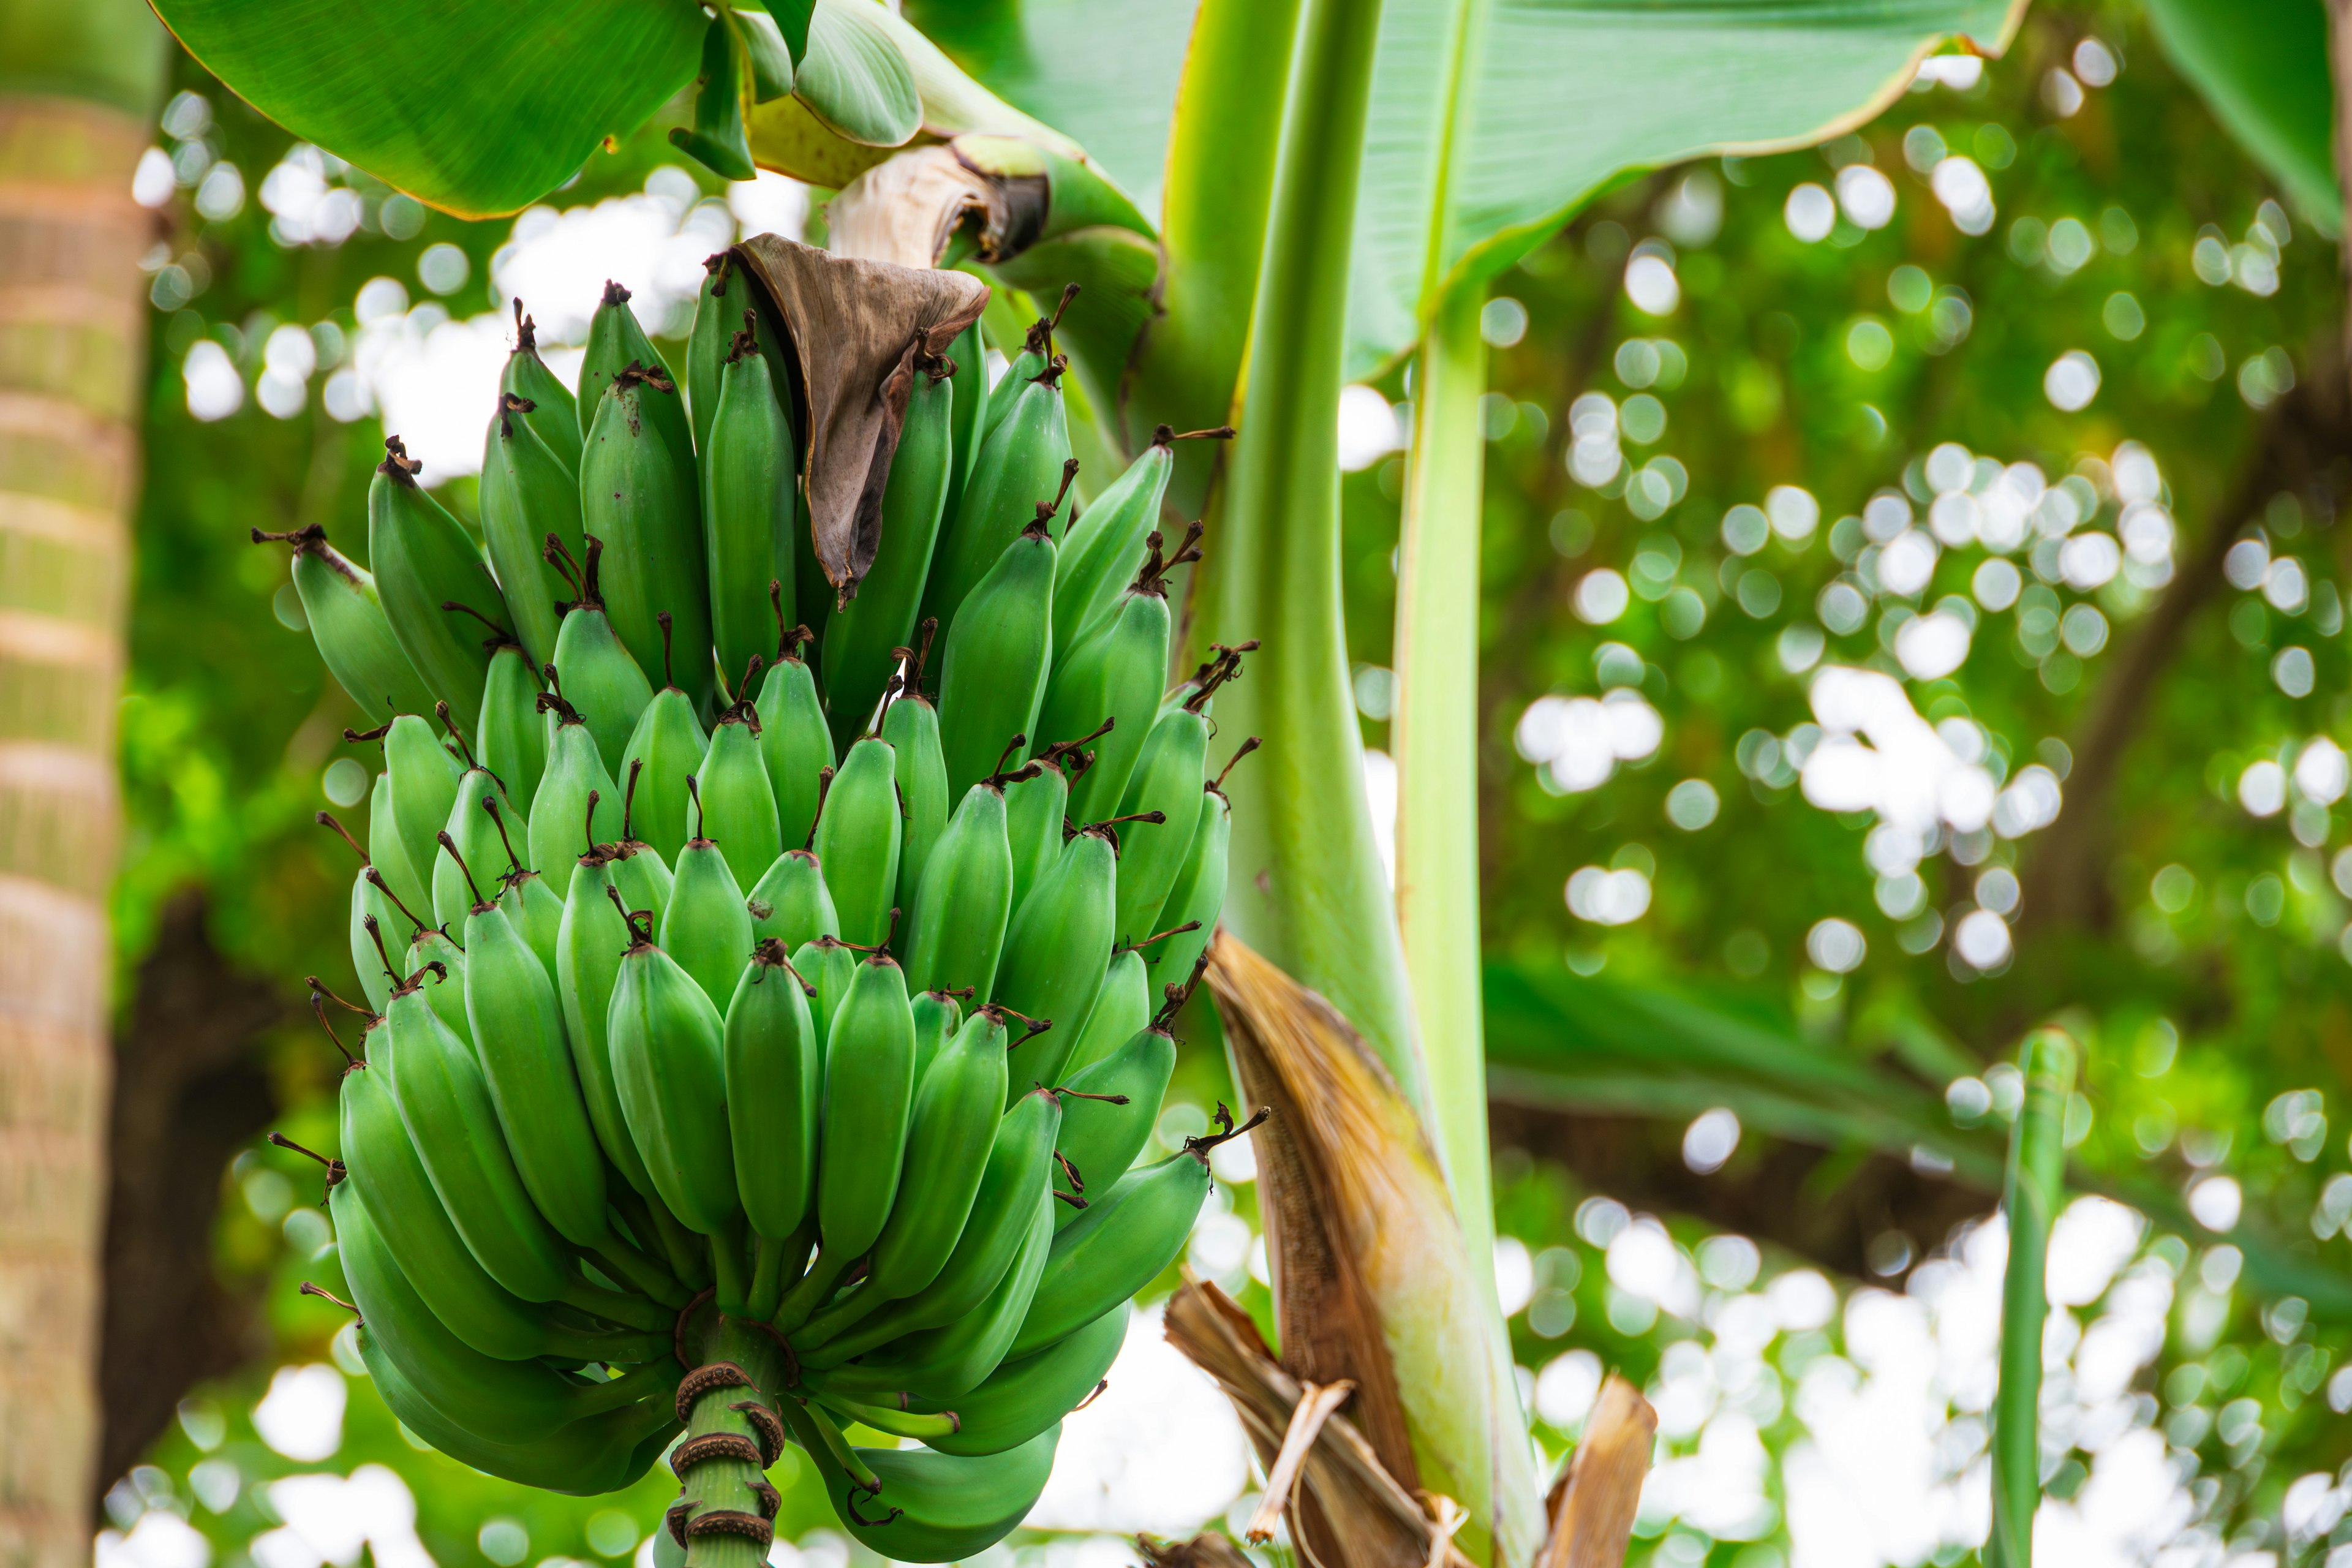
<point x="765" y="1051"/>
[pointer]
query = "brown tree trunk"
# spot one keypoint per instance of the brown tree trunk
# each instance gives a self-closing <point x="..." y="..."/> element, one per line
<point x="73" y="335"/>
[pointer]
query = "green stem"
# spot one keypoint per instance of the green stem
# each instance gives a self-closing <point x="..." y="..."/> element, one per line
<point x="1436" y="742"/>
<point x="730" y="1484"/>
<point x="1306" y="886"/>
<point x="2037" y="1174"/>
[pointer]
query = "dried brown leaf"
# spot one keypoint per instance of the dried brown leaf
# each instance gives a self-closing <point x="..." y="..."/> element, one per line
<point x="857" y="330"/>
<point x="1594" y="1502"/>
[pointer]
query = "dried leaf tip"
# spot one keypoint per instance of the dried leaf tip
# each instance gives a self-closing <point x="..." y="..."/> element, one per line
<point x="615" y="294"/>
<point x="397" y="464"/>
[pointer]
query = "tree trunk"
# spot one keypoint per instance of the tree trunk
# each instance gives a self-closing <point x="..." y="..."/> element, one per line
<point x="76" y="86"/>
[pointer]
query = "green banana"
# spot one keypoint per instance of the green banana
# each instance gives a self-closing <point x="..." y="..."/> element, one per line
<point x="957" y="933"/>
<point x="869" y="1085"/>
<point x="1010" y="1187"/>
<point x="957" y="1103"/>
<point x="707" y="342"/>
<point x="437" y="591"/>
<point x="1105" y="540"/>
<point x="863" y="638"/>
<point x="791" y="902"/>
<point x="503" y="1401"/>
<point x="669" y="1065"/>
<point x="1121" y="1243"/>
<point x="638" y="869"/>
<point x="794" y="738"/>
<point x="1036" y="356"/>
<point x="668" y="740"/>
<point x="416" y="1229"/>
<point x="639" y="495"/>
<point x="857" y="839"/>
<point x="933" y="1506"/>
<point x="1024" y="1397"/>
<point x="968" y="356"/>
<point x="587" y="963"/>
<point x="348" y="624"/>
<point x="435" y="957"/>
<point x="469" y="840"/>
<point x="775" y="1086"/>
<point x="832" y="967"/>
<point x="946" y="1363"/>
<point x="446" y="1108"/>
<point x="1122" y="1007"/>
<point x="1036" y="811"/>
<point x="938" y="1016"/>
<point x="552" y="413"/>
<point x="615" y="342"/>
<point x="1019" y="464"/>
<point x="528" y="494"/>
<point x="1116" y="673"/>
<point x="385" y="849"/>
<point x="911" y="725"/>
<point x="1198" y="893"/>
<point x="518" y="1038"/>
<point x="1114" y="1105"/>
<point x="592" y="669"/>
<point x="994" y="677"/>
<point x="422" y="778"/>
<point x="706" y="928"/>
<point x="577" y="807"/>
<point x="535" y="911"/>
<point x="1167" y="780"/>
<point x="1058" y="953"/>
<point x="587" y="1459"/>
<point x="369" y="960"/>
<point x="716" y="140"/>
<point x="750" y="500"/>
<point x="511" y="739"/>
<point x="735" y="794"/>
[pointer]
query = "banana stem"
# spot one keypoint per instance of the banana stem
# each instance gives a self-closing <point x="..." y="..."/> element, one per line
<point x="898" y="1423"/>
<point x="732" y="1433"/>
<point x="767" y="1275"/>
<point x="688" y="1254"/>
<point x="805" y="1297"/>
<point x="626" y="1264"/>
<point x="726" y="1255"/>
<point x="620" y="1307"/>
<point x="814" y="1428"/>
<point x="843" y="1315"/>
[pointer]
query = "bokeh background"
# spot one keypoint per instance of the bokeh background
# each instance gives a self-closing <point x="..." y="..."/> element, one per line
<point x="1911" y="613"/>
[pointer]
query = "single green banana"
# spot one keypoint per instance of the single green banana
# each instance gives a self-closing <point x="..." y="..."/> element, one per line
<point x="592" y="669"/>
<point x="668" y="740"/>
<point x="959" y="1102"/>
<point x="577" y="807"/>
<point x="408" y="1214"/>
<point x="863" y="638"/>
<point x="738" y="800"/>
<point x="639" y="495"/>
<point x="347" y="621"/>
<point x="638" y="869"/>
<point x="992" y="679"/>
<point x="529" y="493"/>
<point x="751" y="501"/>
<point x="553" y="414"/>
<point x="385" y="849"/>
<point x="832" y="967"/>
<point x="446" y="1107"/>
<point x="1122" y="1007"/>
<point x="794" y="738"/>
<point x="791" y="902"/>
<point x="775" y="1087"/>
<point x="939" y="1014"/>
<point x="471" y="854"/>
<point x="587" y="964"/>
<point x="669" y="1049"/>
<point x="437" y="959"/>
<point x="716" y="317"/>
<point x="1010" y="1187"/>
<point x="1019" y="465"/>
<point x="857" y="839"/>
<point x="1116" y="673"/>
<point x="1036" y="811"/>
<point x="708" y="927"/>
<point x="1121" y="1243"/>
<point x="504" y="1401"/>
<point x="933" y="1506"/>
<point x="615" y="342"/>
<point x="957" y="933"/>
<point x="946" y="1363"/>
<point x="1167" y="780"/>
<point x="911" y="725"/>
<point x="587" y="1459"/>
<point x="1106" y="540"/>
<point x="1036" y="356"/>
<point x="1112" y="1106"/>
<point x="969" y="355"/>
<point x="1024" y="1397"/>
<point x="535" y="912"/>
<point x="511" y="739"/>
<point x="372" y="912"/>
<point x="1057" y="953"/>
<point x="1198" y="896"/>
<point x="869" y="1088"/>
<point x="437" y="591"/>
<point x="423" y="779"/>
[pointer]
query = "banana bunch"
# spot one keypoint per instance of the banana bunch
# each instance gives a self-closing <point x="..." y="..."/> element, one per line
<point x="765" y="1050"/>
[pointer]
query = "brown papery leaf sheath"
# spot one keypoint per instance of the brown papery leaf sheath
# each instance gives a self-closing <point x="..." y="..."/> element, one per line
<point x="1592" y="1503"/>
<point x="856" y="331"/>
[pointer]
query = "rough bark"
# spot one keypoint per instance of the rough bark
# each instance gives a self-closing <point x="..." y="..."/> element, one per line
<point x="72" y="343"/>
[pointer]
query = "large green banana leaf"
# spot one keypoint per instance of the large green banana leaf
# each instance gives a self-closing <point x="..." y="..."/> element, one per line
<point x="2262" y="66"/>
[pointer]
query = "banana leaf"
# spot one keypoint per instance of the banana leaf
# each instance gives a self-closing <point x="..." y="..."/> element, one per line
<point x="2262" y="66"/>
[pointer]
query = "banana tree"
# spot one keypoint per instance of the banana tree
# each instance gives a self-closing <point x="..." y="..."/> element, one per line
<point x="1338" y="184"/>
